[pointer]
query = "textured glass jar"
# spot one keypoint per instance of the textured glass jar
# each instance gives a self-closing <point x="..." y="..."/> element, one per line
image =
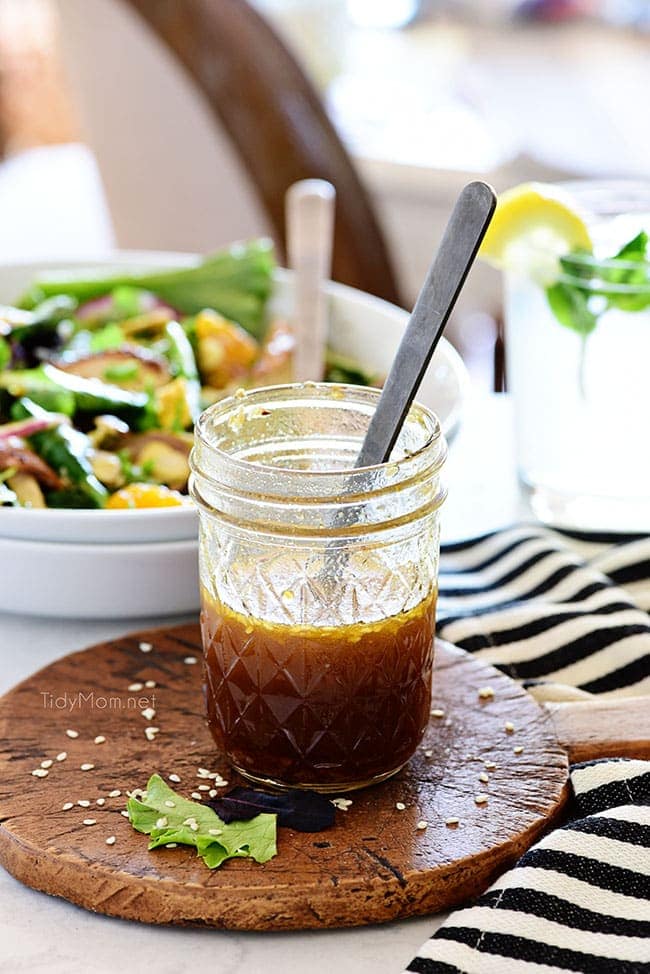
<point x="318" y="584"/>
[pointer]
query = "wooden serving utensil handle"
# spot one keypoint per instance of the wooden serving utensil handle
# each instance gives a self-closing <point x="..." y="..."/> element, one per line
<point x="603" y="728"/>
<point x="310" y="233"/>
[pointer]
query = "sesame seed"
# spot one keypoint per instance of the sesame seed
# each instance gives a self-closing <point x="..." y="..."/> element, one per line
<point x="220" y="783"/>
<point x="124" y="813"/>
<point x="452" y="822"/>
<point x="190" y="660"/>
<point x="145" y="647"/>
<point x="518" y="750"/>
<point x="47" y="763"/>
<point x="100" y="739"/>
<point x="194" y="827"/>
<point x="437" y="713"/>
<point x="428" y="754"/>
<point x="510" y="728"/>
<point x="486" y="693"/>
<point x="62" y="756"/>
<point x="196" y="795"/>
<point x="101" y="801"/>
<point x="67" y="806"/>
<point x="115" y="793"/>
<point x="86" y="767"/>
<point x="150" y="684"/>
<point x="490" y="765"/>
<point x="203" y="773"/>
<point x="422" y="825"/>
<point x="148" y="713"/>
<point x="215" y="831"/>
<point x="40" y="773"/>
<point x="150" y="732"/>
<point x="342" y="803"/>
<point x="171" y="845"/>
<point x="481" y="799"/>
<point x="90" y="821"/>
<point x="135" y="687"/>
<point x="72" y="733"/>
<point x="175" y="778"/>
<point x="400" y="806"/>
<point x="189" y="821"/>
<point x="204" y="787"/>
<point x="212" y="793"/>
<point x="161" y="823"/>
<point x="110" y="840"/>
<point x="170" y="804"/>
<point x="483" y="777"/>
<point x="83" y="802"/>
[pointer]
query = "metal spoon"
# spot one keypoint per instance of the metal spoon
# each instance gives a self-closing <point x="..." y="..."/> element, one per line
<point x="462" y="238"/>
<point x="309" y="207"/>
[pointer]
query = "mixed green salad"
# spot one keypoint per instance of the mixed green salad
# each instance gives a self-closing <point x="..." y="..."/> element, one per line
<point x="102" y="378"/>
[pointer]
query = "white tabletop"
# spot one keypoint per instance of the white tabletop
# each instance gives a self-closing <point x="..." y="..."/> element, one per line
<point x="40" y="933"/>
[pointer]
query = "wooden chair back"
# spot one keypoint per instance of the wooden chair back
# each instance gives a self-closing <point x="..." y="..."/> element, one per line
<point x="276" y="122"/>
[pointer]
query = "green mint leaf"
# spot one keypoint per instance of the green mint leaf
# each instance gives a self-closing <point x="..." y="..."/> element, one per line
<point x="214" y="841"/>
<point x="570" y="306"/>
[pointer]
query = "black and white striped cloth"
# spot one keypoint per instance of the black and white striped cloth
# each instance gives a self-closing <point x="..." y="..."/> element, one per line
<point x="565" y="614"/>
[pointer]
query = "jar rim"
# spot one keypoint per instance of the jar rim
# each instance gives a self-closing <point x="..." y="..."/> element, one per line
<point x="324" y="391"/>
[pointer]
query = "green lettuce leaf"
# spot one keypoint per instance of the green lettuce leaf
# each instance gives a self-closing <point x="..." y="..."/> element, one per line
<point x="255" y="839"/>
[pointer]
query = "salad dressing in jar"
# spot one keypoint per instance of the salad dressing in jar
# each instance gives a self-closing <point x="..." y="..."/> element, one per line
<point x="318" y="585"/>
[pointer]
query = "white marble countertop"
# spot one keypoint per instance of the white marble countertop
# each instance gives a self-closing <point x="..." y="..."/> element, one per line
<point x="43" y="934"/>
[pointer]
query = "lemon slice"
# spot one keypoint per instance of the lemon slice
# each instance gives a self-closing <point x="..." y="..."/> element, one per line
<point x="534" y="224"/>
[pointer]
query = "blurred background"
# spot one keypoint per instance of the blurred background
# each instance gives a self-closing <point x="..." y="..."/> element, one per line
<point x="143" y="123"/>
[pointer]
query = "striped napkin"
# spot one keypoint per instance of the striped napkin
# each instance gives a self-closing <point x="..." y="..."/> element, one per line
<point x="565" y="614"/>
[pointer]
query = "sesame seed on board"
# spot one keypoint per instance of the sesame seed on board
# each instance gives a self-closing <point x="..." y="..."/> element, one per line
<point x="110" y="840"/>
<point x="40" y="773"/>
<point x="90" y="821"/>
<point x="148" y="713"/>
<point x="452" y="822"/>
<point x="190" y="660"/>
<point x="135" y="687"/>
<point x="400" y="806"/>
<point x="437" y="713"/>
<point x="485" y="693"/>
<point x="145" y="647"/>
<point x="87" y="766"/>
<point x="518" y="750"/>
<point x="150" y="732"/>
<point x="481" y="799"/>
<point x="115" y="793"/>
<point x="422" y="825"/>
<point x="62" y="756"/>
<point x="175" y="778"/>
<point x="72" y="733"/>
<point x="47" y="763"/>
<point x="100" y="739"/>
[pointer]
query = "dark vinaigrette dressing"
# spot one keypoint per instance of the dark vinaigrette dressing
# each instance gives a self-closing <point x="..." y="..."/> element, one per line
<point x="318" y="705"/>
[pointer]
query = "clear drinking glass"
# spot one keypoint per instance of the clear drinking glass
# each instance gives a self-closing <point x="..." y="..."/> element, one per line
<point x="318" y="584"/>
<point x="581" y="387"/>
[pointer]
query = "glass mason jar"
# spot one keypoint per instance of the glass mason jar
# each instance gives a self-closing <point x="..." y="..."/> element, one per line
<point x="318" y="584"/>
<point x="578" y="372"/>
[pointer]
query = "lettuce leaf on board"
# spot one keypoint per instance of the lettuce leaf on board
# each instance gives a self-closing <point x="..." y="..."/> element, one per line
<point x="214" y="841"/>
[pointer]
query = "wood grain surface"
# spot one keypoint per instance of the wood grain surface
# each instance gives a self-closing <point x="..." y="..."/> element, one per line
<point x="374" y="865"/>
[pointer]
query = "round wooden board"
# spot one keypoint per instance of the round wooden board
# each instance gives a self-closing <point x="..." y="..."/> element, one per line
<point x="374" y="865"/>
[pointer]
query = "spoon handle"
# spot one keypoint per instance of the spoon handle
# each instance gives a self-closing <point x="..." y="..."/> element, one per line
<point x="310" y="229"/>
<point x="462" y="237"/>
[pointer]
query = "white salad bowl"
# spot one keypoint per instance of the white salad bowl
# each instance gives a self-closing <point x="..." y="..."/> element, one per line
<point x="361" y="327"/>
